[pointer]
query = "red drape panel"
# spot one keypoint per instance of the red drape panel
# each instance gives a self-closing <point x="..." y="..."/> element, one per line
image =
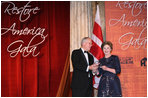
<point x="41" y="75"/>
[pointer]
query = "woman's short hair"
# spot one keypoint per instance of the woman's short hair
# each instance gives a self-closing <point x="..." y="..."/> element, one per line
<point x="107" y="43"/>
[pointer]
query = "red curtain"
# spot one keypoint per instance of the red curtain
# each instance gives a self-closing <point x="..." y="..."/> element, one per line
<point x="35" y="76"/>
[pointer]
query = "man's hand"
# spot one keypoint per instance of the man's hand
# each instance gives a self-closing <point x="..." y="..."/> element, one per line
<point x="93" y="67"/>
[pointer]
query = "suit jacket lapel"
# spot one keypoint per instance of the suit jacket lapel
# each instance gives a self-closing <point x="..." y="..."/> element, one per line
<point x="89" y="58"/>
<point x="83" y="56"/>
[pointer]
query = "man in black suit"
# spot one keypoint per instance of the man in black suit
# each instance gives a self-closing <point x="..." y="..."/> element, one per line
<point x="83" y="64"/>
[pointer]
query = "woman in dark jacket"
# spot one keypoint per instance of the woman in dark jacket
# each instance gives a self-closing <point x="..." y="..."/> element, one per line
<point x="109" y="85"/>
